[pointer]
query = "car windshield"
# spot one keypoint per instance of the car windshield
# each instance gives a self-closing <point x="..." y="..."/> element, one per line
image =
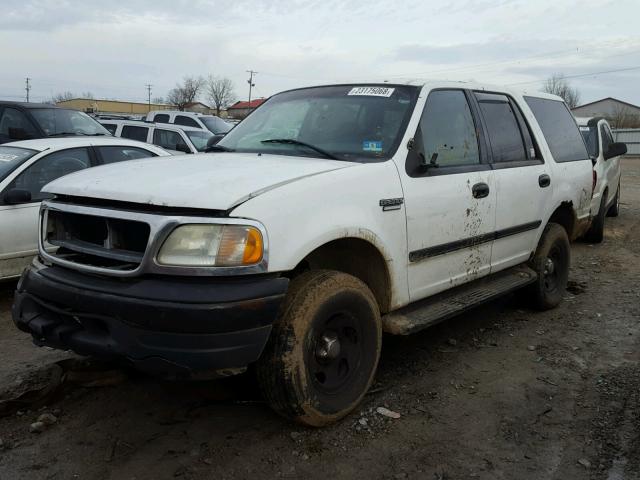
<point x="346" y="122"/>
<point x="199" y="138"/>
<point x="12" y="157"/>
<point x="590" y="135"/>
<point x="60" y="121"/>
<point x="215" y="124"/>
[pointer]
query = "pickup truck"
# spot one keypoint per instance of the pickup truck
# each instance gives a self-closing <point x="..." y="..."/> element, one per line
<point x="329" y="215"/>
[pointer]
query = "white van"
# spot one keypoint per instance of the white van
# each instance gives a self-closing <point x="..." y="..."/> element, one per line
<point x="214" y="124"/>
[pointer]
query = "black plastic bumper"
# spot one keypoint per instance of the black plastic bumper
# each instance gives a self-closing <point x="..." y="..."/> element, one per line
<point x="176" y="327"/>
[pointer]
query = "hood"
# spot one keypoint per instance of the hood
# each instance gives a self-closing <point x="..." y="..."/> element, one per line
<point x="217" y="181"/>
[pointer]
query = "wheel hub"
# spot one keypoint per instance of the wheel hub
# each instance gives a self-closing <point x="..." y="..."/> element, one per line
<point x="549" y="267"/>
<point x="328" y="347"/>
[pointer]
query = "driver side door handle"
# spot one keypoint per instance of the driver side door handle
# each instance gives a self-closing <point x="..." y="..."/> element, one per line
<point x="480" y="190"/>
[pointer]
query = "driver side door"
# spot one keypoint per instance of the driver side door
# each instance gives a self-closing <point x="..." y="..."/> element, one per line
<point x="19" y="222"/>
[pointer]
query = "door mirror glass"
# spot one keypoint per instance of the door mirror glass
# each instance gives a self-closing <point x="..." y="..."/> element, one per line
<point x="16" y="196"/>
<point x="615" y="150"/>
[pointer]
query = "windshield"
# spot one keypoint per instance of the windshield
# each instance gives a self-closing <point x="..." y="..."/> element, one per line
<point x="11" y="158"/>
<point x="215" y="124"/>
<point x="199" y="138"/>
<point x="590" y="135"/>
<point x="347" y="122"/>
<point x="57" y="121"/>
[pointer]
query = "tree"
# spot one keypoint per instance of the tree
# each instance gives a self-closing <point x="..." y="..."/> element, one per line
<point x="186" y="92"/>
<point x="558" y="85"/>
<point x="623" y="117"/>
<point x="157" y="100"/>
<point x="62" y="97"/>
<point x="220" y="92"/>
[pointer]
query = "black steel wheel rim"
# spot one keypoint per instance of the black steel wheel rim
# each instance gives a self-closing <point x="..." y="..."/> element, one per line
<point x="335" y="352"/>
<point x="552" y="268"/>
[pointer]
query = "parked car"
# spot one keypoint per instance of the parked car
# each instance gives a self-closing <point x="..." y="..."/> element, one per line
<point x="329" y="215"/>
<point x="214" y="124"/>
<point x="175" y="139"/>
<point x="27" y="166"/>
<point x="606" y="154"/>
<point x="23" y="121"/>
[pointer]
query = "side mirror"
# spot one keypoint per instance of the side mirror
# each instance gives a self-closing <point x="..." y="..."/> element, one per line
<point x="615" y="150"/>
<point x="183" y="147"/>
<point x="16" y="196"/>
<point x="215" y="139"/>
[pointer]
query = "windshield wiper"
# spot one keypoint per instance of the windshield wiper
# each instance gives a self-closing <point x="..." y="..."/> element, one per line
<point x="218" y="148"/>
<point x="293" y="141"/>
<point x="59" y="134"/>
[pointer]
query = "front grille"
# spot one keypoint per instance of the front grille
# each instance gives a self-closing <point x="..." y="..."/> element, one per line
<point x="105" y="242"/>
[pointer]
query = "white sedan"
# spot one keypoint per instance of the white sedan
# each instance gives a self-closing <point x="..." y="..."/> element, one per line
<point x="27" y="166"/>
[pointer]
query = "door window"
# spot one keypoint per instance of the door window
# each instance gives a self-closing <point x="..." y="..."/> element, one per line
<point x="120" y="154"/>
<point x="504" y="133"/>
<point x="186" y="121"/>
<point x="447" y="130"/>
<point x="15" y="125"/>
<point x="135" y="133"/>
<point x="169" y="139"/>
<point x="112" y="127"/>
<point x="161" y="118"/>
<point x="607" y="138"/>
<point x="47" y="169"/>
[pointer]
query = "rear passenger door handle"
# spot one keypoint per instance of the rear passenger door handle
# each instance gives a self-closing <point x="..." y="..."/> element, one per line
<point x="544" y="180"/>
<point x="480" y="190"/>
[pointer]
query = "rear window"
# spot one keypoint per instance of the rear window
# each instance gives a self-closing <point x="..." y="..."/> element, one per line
<point x="161" y="118"/>
<point x="135" y="133"/>
<point x="559" y="128"/>
<point x="186" y="121"/>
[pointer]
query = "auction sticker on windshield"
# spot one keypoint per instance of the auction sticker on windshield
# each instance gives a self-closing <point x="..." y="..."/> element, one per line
<point x="372" y="91"/>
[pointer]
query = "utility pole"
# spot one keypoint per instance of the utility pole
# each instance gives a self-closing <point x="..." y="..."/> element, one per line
<point x="27" y="87"/>
<point x="148" y="85"/>
<point x="251" y="84"/>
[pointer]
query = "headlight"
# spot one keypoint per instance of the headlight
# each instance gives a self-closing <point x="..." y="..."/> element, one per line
<point x="212" y="246"/>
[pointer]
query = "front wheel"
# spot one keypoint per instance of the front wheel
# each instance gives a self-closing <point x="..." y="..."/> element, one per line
<point x="324" y="348"/>
<point x="551" y="262"/>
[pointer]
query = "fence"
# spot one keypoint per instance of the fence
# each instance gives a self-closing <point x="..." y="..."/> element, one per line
<point x="630" y="136"/>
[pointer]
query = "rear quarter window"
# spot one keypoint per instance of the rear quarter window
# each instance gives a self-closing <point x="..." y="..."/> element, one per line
<point x="559" y="128"/>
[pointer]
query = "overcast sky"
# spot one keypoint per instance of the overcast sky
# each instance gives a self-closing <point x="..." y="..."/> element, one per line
<point x="112" y="49"/>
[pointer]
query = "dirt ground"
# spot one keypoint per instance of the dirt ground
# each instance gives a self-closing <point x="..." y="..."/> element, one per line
<point x="500" y="393"/>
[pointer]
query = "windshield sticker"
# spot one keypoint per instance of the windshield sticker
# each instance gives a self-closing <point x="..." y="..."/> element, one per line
<point x="7" y="157"/>
<point x="372" y="146"/>
<point x="372" y="91"/>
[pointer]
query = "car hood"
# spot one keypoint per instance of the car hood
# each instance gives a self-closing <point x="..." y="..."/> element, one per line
<point x="218" y="181"/>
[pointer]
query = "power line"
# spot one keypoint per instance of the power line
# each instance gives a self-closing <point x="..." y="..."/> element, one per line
<point x="27" y="87"/>
<point x="591" y="74"/>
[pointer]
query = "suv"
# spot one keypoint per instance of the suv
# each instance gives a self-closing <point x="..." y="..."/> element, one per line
<point x="174" y="139"/>
<point x="24" y="121"/>
<point x="214" y="124"/>
<point x="605" y="153"/>
<point x="329" y="215"/>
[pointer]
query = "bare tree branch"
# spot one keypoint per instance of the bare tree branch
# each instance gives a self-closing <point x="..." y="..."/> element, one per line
<point x="558" y="85"/>
<point x="186" y="92"/>
<point x="220" y="92"/>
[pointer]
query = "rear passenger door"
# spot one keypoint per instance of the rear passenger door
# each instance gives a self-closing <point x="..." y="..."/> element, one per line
<point x="522" y="179"/>
<point x="449" y="195"/>
<point x="170" y="140"/>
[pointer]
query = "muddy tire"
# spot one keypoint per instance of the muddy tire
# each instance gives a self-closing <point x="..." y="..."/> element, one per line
<point x="551" y="261"/>
<point x="324" y="348"/>
<point x="595" y="234"/>
<point x="614" y="210"/>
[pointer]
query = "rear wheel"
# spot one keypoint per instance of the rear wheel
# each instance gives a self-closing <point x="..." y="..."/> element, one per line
<point x="324" y="348"/>
<point x="551" y="262"/>
<point x="614" y="210"/>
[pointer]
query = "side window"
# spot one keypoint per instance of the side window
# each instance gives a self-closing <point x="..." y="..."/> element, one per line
<point x="14" y="125"/>
<point x="607" y="138"/>
<point x="559" y="129"/>
<point x="161" y="118"/>
<point x="112" y="127"/>
<point x="186" y="121"/>
<point x="47" y="169"/>
<point x="120" y="154"/>
<point x="135" y="133"/>
<point x="169" y="139"/>
<point x="447" y="130"/>
<point x="502" y="126"/>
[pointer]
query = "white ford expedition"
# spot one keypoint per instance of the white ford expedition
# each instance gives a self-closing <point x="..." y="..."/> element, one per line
<point x="329" y="215"/>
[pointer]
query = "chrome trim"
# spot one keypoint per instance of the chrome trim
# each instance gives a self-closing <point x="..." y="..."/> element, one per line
<point x="160" y="226"/>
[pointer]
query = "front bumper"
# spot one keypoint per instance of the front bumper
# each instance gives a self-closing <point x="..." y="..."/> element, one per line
<point x="171" y="326"/>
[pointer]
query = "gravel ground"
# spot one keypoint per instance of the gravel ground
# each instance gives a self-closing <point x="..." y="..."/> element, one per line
<point x="499" y="393"/>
